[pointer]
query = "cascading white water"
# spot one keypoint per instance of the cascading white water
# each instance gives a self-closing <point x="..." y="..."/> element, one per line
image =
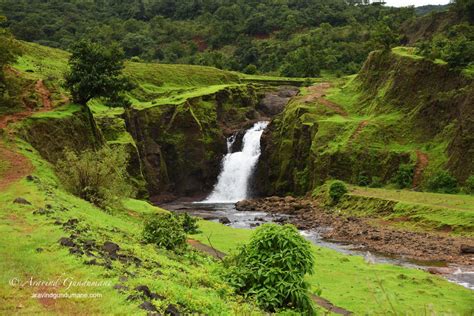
<point x="232" y="184"/>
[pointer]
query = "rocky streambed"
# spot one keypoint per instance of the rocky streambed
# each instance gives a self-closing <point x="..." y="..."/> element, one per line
<point x="438" y="254"/>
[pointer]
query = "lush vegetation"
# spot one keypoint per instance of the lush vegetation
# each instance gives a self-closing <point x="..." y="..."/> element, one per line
<point x="9" y="50"/>
<point x="96" y="71"/>
<point x="97" y="176"/>
<point x="336" y="191"/>
<point x="263" y="36"/>
<point x="165" y="231"/>
<point x="271" y="268"/>
<point x="454" y="46"/>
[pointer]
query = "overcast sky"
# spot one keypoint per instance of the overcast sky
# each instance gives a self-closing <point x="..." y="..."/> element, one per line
<point x="402" y="3"/>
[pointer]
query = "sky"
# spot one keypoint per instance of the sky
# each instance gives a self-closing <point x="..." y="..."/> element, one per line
<point x="402" y="3"/>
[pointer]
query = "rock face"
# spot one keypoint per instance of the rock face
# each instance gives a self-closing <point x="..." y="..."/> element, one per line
<point x="181" y="146"/>
<point x="274" y="102"/>
<point x="311" y="142"/>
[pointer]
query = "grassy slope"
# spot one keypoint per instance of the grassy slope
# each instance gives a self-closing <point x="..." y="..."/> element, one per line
<point x="187" y="280"/>
<point x="365" y="289"/>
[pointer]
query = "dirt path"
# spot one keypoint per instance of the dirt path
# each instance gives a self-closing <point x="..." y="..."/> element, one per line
<point x="421" y="163"/>
<point x="18" y="166"/>
<point x="324" y="303"/>
<point x="46" y="102"/>
<point x="45" y="95"/>
<point x="357" y="132"/>
<point x="317" y="94"/>
<point x="206" y="249"/>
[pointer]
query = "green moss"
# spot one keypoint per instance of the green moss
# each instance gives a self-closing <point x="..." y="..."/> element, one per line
<point x="189" y="282"/>
<point x="351" y="283"/>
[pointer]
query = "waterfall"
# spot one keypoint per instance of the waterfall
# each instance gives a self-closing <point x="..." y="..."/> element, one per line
<point x="233" y="182"/>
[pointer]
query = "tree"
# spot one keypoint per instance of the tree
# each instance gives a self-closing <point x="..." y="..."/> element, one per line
<point x="9" y="50"/>
<point x="96" y="71"/>
<point x="384" y="37"/>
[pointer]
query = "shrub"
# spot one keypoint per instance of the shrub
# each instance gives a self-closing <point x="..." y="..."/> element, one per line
<point x="363" y="180"/>
<point x="376" y="182"/>
<point x="165" y="230"/>
<point x="404" y="176"/>
<point x="99" y="177"/>
<point x="271" y="268"/>
<point x="469" y="185"/>
<point x="336" y="190"/>
<point x="189" y="224"/>
<point x="443" y="182"/>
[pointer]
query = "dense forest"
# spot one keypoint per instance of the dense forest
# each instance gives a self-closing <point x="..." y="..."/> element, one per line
<point x="291" y="37"/>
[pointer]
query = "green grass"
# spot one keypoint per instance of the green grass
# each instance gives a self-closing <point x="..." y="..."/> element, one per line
<point x="4" y="165"/>
<point x="365" y="289"/>
<point x="451" y="201"/>
<point x="188" y="280"/>
<point x="409" y="52"/>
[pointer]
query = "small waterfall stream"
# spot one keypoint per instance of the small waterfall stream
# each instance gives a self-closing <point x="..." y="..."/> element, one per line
<point x="237" y="167"/>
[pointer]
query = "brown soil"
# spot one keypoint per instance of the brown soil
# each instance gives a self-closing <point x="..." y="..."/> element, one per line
<point x="421" y="164"/>
<point x="358" y="130"/>
<point x="18" y="167"/>
<point x="373" y="236"/>
<point x="45" y="96"/>
<point x="317" y="94"/>
<point x="206" y="249"/>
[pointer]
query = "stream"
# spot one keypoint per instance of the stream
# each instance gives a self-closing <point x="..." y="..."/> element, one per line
<point x="227" y="213"/>
<point x="233" y="186"/>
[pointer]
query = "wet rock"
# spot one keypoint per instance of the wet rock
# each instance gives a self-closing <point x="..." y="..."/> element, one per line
<point x="67" y="242"/>
<point x="148" y="306"/>
<point x="224" y="220"/>
<point x="20" y="200"/>
<point x="157" y="297"/>
<point x="42" y="211"/>
<point x="111" y="249"/>
<point x="274" y="102"/>
<point x="145" y="290"/>
<point x="467" y="249"/>
<point x="172" y="310"/>
<point x="120" y="287"/>
<point x="76" y="251"/>
<point x="89" y="244"/>
<point x="254" y="225"/>
<point x="91" y="262"/>
<point x="70" y="224"/>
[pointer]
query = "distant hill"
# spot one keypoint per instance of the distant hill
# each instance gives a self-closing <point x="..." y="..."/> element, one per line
<point x="426" y="9"/>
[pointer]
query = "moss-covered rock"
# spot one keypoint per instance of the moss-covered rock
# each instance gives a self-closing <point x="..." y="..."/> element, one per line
<point x="181" y="146"/>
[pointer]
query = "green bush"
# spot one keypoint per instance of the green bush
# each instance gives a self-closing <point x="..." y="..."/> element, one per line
<point x="376" y="182"/>
<point x="189" y="224"/>
<point x="99" y="177"/>
<point x="363" y="180"/>
<point x="271" y="269"/>
<point x="443" y="182"/>
<point x="404" y="176"/>
<point x="469" y="185"/>
<point x="336" y="190"/>
<point x="166" y="231"/>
